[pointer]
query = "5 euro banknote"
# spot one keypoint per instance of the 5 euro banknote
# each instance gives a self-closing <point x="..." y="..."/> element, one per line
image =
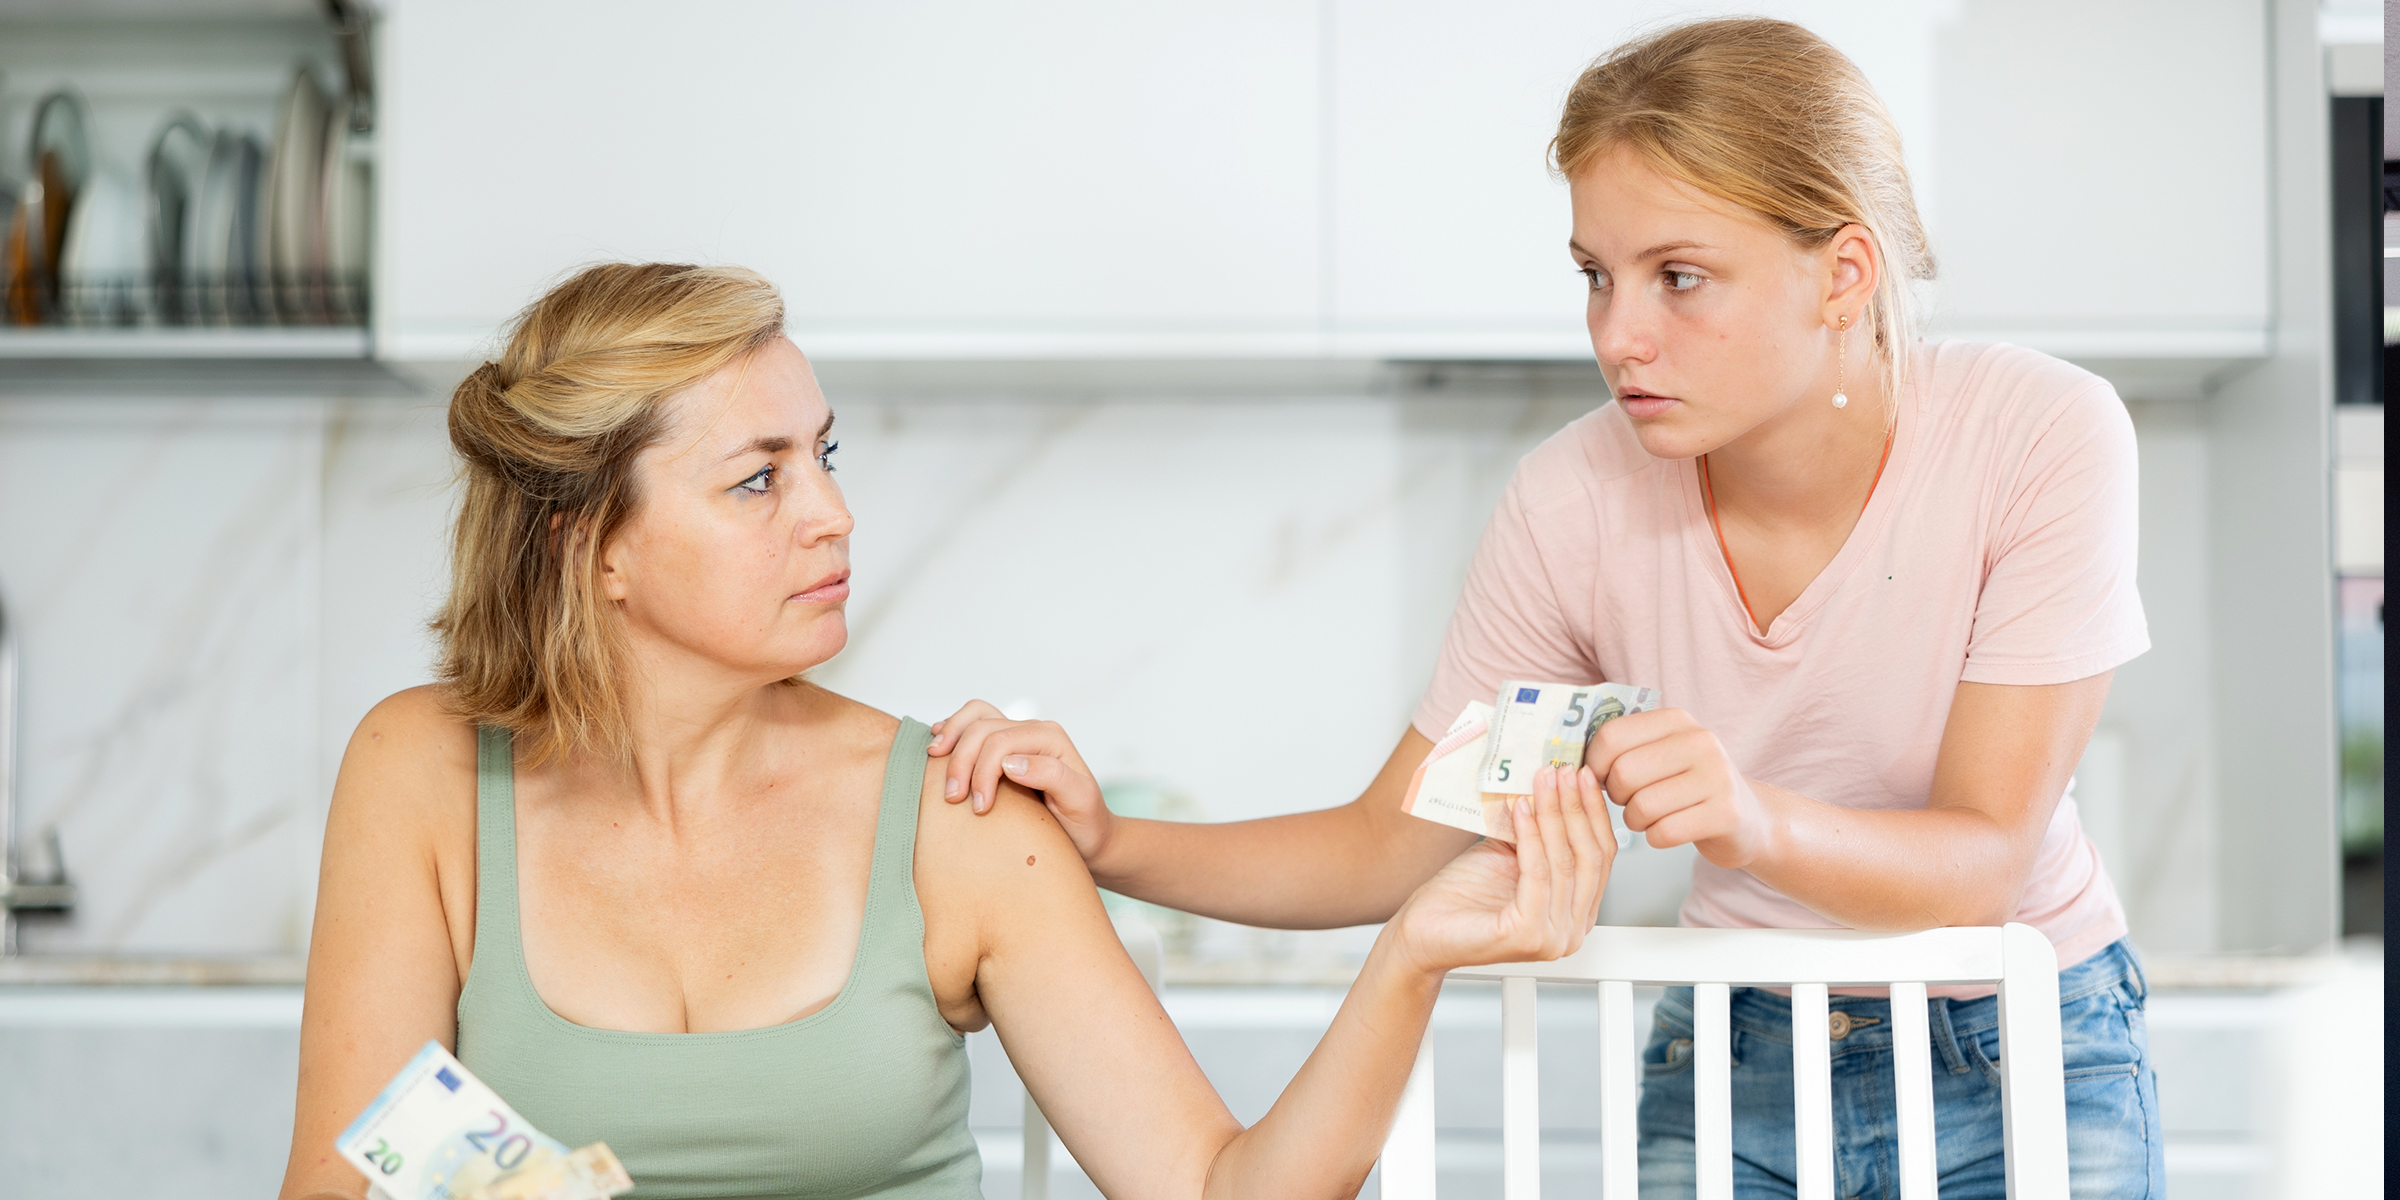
<point x="1488" y="756"/>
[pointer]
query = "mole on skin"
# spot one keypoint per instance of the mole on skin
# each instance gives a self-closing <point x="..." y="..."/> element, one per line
<point x="1029" y="860"/>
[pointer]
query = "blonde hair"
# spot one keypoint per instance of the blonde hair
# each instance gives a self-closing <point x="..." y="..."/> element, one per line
<point x="1765" y="115"/>
<point x="548" y="436"/>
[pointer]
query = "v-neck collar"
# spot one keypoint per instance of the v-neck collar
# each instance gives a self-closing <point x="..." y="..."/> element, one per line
<point x="1699" y="537"/>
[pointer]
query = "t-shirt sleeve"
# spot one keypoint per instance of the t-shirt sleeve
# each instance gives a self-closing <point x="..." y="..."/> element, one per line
<point x="1509" y="623"/>
<point x="2058" y="601"/>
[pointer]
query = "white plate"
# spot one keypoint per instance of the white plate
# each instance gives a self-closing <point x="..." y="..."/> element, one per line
<point x="344" y="233"/>
<point x="292" y="197"/>
<point x="205" y="232"/>
<point x="247" y="256"/>
<point x="174" y="171"/>
<point x="221" y="238"/>
<point x="100" y="267"/>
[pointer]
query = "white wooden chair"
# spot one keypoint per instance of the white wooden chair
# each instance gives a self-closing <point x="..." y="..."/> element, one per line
<point x="2016" y="957"/>
<point x="1148" y="952"/>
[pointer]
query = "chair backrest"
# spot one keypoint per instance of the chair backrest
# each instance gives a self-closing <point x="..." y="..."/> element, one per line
<point x="1714" y="961"/>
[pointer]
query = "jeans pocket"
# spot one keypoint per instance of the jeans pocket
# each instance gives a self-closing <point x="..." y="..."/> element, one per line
<point x="1664" y="1058"/>
<point x="1669" y="1050"/>
<point x="1983" y="1053"/>
<point x="2097" y="1038"/>
<point x="2096" y="1035"/>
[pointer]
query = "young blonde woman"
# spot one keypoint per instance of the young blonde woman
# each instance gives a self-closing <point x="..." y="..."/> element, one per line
<point x="1883" y="582"/>
<point x="659" y="891"/>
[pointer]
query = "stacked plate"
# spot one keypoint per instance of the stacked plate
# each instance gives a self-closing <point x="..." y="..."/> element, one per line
<point x="222" y="229"/>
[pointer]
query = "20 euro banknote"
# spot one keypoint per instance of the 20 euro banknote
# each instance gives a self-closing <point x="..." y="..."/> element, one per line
<point x="436" y="1132"/>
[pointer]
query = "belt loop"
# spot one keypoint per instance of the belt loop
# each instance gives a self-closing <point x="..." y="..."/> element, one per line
<point x="1943" y="1037"/>
<point x="2133" y="969"/>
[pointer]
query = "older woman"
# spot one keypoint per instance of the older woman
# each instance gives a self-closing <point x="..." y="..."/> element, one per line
<point x="657" y="889"/>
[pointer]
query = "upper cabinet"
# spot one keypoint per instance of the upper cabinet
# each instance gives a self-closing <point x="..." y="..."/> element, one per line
<point x="2102" y="171"/>
<point x="1067" y="178"/>
<point x="1262" y="178"/>
<point x="2093" y="176"/>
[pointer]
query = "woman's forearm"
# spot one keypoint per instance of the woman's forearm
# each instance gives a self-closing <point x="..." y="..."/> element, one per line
<point x="1351" y="865"/>
<point x="1324" y="1133"/>
<point x="1311" y="870"/>
<point x="1892" y="870"/>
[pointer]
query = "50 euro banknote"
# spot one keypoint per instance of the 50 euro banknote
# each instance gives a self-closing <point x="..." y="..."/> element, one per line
<point x="1489" y="755"/>
<point x="436" y="1132"/>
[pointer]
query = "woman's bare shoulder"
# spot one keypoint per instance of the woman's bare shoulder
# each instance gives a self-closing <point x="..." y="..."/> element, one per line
<point x="995" y="854"/>
<point x="410" y="753"/>
<point x="849" y="722"/>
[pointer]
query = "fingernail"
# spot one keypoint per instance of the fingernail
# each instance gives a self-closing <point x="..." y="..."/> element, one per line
<point x="935" y="728"/>
<point x="1524" y="807"/>
<point x="1014" y="764"/>
<point x="978" y="801"/>
<point x="951" y="788"/>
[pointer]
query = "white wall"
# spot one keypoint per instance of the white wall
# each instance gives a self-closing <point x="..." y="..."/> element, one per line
<point x="1232" y="592"/>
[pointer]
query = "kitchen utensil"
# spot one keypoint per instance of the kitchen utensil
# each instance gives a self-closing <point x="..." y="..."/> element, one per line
<point x="61" y="153"/>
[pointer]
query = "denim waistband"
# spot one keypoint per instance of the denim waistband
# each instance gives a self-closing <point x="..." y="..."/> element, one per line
<point x="1762" y="1013"/>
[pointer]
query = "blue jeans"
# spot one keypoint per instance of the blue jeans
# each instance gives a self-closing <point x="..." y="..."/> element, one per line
<point x="2114" y="1146"/>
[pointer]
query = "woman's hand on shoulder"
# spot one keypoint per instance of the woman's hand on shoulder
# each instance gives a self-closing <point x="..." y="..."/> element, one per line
<point x="1530" y="902"/>
<point x="1677" y="785"/>
<point x="984" y="747"/>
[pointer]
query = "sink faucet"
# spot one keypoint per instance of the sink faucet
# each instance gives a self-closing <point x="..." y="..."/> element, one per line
<point x="52" y="892"/>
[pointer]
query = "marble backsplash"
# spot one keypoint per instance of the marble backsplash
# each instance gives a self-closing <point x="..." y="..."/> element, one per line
<point x="1229" y="595"/>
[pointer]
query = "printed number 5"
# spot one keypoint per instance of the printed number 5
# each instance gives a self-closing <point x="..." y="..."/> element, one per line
<point x="1504" y="770"/>
<point x="386" y="1159"/>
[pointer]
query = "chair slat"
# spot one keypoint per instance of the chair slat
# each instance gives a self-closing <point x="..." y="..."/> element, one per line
<point x="1520" y="1092"/>
<point x="1407" y="1162"/>
<point x="2018" y="958"/>
<point x="2033" y="1101"/>
<point x="1036" y="1177"/>
<point x="1712" y="1089"/>
<point x="1912" y="1088"/>
<point x="1620" y="1094"/>
<point x="1812" y="1090"/>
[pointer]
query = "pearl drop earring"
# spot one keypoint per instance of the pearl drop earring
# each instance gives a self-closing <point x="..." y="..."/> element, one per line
<point x="1841" y="357"/>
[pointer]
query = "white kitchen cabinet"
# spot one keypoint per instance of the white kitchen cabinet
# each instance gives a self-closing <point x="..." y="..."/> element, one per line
<point x="1449" y="230"/>
<point x="2104" y="167"/>
<point x="2113" y="207"/>
<point x="922" y="179"/>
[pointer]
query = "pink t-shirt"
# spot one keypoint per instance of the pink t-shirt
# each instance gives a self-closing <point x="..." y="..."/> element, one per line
<point x="1998" y="548"/>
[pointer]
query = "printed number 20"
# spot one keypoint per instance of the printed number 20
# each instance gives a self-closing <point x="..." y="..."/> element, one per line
<point x="386" y="1159"/>
<point x="501" y="1143"/>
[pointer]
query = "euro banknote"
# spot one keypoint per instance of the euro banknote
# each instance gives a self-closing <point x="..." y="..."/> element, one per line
<point x="1536" y="725"/>
<point x="436" y="1132"/>
<point x="1488" y="756"/>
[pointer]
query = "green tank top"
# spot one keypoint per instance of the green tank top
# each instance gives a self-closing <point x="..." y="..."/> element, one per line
<point x="867" y="1096"/>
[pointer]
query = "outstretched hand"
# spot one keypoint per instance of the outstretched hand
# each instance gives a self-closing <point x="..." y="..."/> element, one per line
<point x="1531" y="902"/>
<point x="984" y="746"/>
